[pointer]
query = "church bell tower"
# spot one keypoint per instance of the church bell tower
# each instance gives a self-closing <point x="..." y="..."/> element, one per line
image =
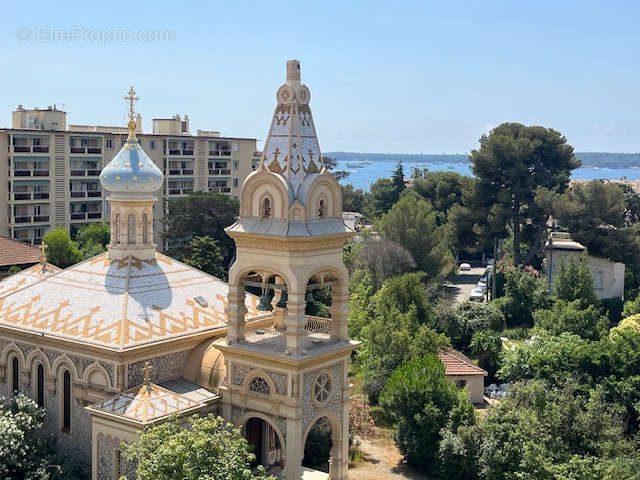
<point x="285" y="380"/>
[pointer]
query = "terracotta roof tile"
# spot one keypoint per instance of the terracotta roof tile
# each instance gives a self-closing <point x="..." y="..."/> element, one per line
<point x="455" y="363"/>
<point x="13" y="252"/>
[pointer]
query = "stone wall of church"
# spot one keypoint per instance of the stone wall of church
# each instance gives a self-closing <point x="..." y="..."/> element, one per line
<point x="164" y="368"/>
<point x="78" y="441"/>
<point x="107" y="461"/>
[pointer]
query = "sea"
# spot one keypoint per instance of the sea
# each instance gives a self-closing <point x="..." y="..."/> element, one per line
<point x="364" y="169"/>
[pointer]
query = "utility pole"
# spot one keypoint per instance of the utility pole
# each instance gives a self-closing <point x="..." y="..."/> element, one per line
<point x="493" y="269"/>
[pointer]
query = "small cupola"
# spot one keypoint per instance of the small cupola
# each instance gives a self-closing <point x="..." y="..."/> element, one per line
<point x="131" y="180"/>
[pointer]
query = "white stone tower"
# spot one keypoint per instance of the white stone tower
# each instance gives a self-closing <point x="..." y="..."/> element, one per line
<point x="131" y="179"/>
<point x="289" y="240"/>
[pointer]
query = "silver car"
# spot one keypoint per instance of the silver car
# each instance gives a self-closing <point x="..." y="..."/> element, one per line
<point x="476" y="295"/>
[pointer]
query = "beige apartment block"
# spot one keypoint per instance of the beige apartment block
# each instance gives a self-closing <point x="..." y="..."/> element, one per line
<point x="52" y="174"/>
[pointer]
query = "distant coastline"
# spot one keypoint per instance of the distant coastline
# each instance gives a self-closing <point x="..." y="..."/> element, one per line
<point x="366" y="168"/>
<point x="589" y="159"/>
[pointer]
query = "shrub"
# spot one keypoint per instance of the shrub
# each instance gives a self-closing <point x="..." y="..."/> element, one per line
<point x="422" y="402"/>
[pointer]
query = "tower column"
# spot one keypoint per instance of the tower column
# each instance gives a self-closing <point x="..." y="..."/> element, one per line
<point x="236" y="311"/>
<point x="339" y="310"/>
<point x="295" y="320"/>
<point x="294" y="450"/>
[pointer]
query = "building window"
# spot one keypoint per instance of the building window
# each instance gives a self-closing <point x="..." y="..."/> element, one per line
<point x="322" y="388"/>
<point x="235" y="164"/>
<point x="259" y="385"/>
<point x="461" y="383"/>
<point x="109" y="143"/>
<point x="118" y="465"/>
<point x="266" y="208"/>
<point x="66" y="401"/>
<point x="599" y="278"/>
<point x="40" y="386"/>
<point x="131" y="229"/>
<point x="117" y="229"/>
<point x="122" y="142"/>
<point x="153" y="144"/>
<point x="235" y="183"/>
<point x="322" y="209"/>
<point x="15" y="375"/>
<point x="145" y="228"/>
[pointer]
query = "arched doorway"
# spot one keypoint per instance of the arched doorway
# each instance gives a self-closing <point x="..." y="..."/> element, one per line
<point x="318" y="446"/>
<point x="265" y="440"/>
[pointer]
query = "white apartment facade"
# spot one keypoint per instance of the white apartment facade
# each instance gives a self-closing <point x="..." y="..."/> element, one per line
<point x="52" y="169"/>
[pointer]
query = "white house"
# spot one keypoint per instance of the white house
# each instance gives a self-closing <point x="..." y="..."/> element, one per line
<point x="608" y="276"/>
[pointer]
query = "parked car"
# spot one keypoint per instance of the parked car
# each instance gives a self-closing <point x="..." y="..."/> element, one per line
<point x="465" y="267"/>
<point x="482" y="285"/>
<point x="476" y="295"/>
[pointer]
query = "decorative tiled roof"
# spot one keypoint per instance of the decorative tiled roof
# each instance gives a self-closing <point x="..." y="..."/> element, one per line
<point x="121" y="304"/>
<point x="145" y="403"/>
<point x="26" y="277"/>
<point x="13" y="252"/>
<point x="455" y="363"/>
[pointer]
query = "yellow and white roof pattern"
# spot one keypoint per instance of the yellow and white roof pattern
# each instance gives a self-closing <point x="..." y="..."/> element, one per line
<point x="145" y="403"/>
<point x="121" y="304"/>
<point x="27" y="277"/>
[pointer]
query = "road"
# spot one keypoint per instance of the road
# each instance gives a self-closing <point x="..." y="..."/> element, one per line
<point x="461" y="286"/>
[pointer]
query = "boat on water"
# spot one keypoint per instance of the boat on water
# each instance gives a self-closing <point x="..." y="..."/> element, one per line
<point x="357" y="164"/>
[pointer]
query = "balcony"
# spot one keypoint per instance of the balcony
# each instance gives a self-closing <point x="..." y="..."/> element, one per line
<point x="85" y="172"/>
<point x="180" y="191"/>
<point x="30" y="149"/>
<point x="219" y="189"/>
<point x="219" y="171"/>
<point x="29" y="195"/>
<point x="31" y="218"/>
<point x="34" y="172"/>
<point x="86" y="193"/>
<point x="29" y="240"/>
<point x="317" y="329"/>
<point x="180" y="171"/>
<point x="86" y="215"/>
<point x="219" y="153"/>
<point x="86" y="150"/>
<point x="181" y="151"/>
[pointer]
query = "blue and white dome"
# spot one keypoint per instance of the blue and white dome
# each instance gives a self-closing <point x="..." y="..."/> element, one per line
<point x="131" y="170"/>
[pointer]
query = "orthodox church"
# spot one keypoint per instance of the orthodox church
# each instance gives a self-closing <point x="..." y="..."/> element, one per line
<point x="131" y="337"/>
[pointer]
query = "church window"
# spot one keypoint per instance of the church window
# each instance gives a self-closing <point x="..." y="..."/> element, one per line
<point x="131" y="229"/>
<point x="119" y="467"/>
<point x="259" y="385"/>
<point x="322" y="209"/>
<point x="116" y="229"/>
<point x="266" y="208"/>
<point x="40" y="385"/>
<point x="66" y="401"/>
<point x="15" y="375"/>
<point x="322" y="388"/>
<point x="145" y="228"/>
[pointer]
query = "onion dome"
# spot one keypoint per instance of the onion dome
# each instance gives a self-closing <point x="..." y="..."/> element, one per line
<point x="131" y="171"/>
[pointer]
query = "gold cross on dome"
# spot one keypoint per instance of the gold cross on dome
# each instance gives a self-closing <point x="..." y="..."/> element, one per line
<point x="276" y="153"/>
<point x="310" y="152"/>
<point x="147" y="372"/>
<point x="131" y="98"/>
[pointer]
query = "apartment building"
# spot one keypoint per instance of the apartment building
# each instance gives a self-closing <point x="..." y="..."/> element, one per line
<point x="52" y="174"/>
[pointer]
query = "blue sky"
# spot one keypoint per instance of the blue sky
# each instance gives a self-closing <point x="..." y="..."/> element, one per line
<point x="405" y="77"/>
